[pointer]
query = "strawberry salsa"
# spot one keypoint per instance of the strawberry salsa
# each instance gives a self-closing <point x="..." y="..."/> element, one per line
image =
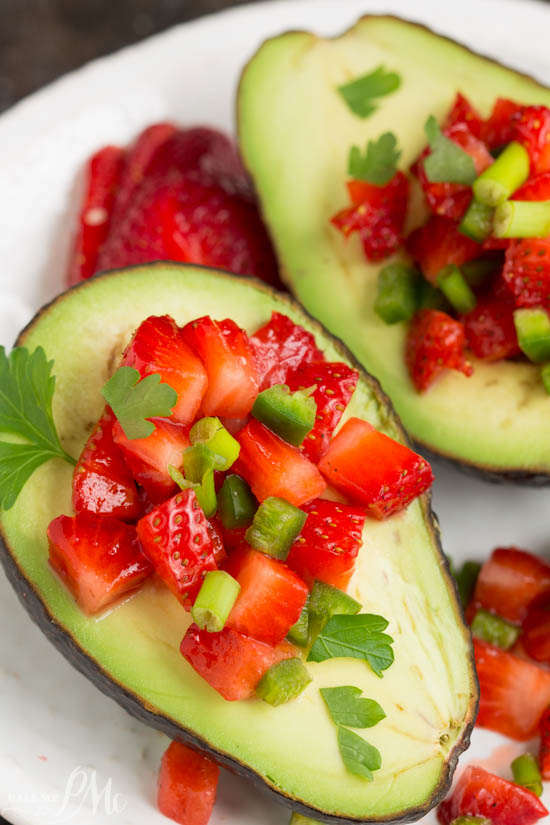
<point x="480" y="280"/>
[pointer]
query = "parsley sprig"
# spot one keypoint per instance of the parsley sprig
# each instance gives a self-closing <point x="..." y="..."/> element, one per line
<point x="358" y="637"/>
<point x="447" y="161"/>
<point x="378" y="164"/>
<point x="361" y="94"/>
<point x="348" y="710"/>
<point x="134" y="401"/>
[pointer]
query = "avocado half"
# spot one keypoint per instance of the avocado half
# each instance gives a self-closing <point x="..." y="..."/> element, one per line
<point x="295" y="133"/>
<point x="132" y="654"/>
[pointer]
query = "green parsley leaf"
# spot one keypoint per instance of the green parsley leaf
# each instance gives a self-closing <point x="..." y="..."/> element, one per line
<point x="379" y="163"/>
<point x="26" y="392"/>
<point x="133" y="401"/>
<point x="360" y="93"/>
<point x="357" y="637"/>
<point x="359" y="756"/>
<point x="447" y="162"/>
<point x="347" y="708"/>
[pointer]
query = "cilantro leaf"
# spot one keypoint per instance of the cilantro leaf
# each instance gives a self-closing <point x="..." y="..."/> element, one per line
<point x="347" y="708"/>
<point x="357" y="637"/>
<point x="359" y="756"/>
<point x="26" y="393"/>
<point x="447" y="161"/>
<point x="360" y="93"/>
<point x="379" y="163"/>
<point x="133" y="401"/>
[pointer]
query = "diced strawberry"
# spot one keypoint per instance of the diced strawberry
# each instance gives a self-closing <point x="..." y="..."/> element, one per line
<point x="103" y="174"/>
<point x="544" y="750"/>
<point x="328" y="545"/>
<point x="158" y="346"/>
<point x="149" y="458"/>
<point x="532" y="130"/>
<point x="480" y="793"/>
<point x="439" y="243"/>
<point x="273" y="467"/>
<point x="232" y="537"/>
<point x="102" y="483"/>
<point x="225" y="350"/>
<point x="536" y="635"/>
<point x="98" y="557"/>
<point x="435" y="342"/>
<point x="378" y="214"/>
<point x="335" y="384"/>
<point x="498" y="129"/>
<point x="527" y="271"/>
<point x="463" y="112"/>
<point x="372" y="469"/>
<point x="216" y="537"/>
<point x="175" y="537"/>
<point x="280" y="347"/>
<point x="513" y="692"/>
<point x="187" y="785"/>
<point x="511" y="582"/>
<point x="271" y="598"/>
<point x="537" y="188"/>
<point x="490" y="330"/>
<point x="231" y="663"/>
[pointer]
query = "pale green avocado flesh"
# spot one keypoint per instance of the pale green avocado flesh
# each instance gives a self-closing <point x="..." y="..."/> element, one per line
<point x="429" y="693"/>
<point x="295" y="132"/>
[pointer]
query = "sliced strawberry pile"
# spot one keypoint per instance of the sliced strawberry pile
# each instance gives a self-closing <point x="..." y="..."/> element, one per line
<point x="435" y="342"/>
<point x="280" y="347"/>
<point x="527" y="272"/>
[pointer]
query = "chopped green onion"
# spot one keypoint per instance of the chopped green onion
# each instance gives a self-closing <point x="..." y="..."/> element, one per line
<point x="522" y="219"/>
<point x="471" y="820"/>
<point x="212" y="433"/>
<point x="326" y="601"/>
<point x="198" y="459"/>
<point x="291" y="415"/>
<point x="276" y="524"/>
<point x="526" y="772"/>
<point x="298" y="633"/>
<point x="431" y="298"/>
<point x="477" y="222"/>
<point x="455" y="287"/>
<point x="215" y="601"/>
<point x="204" y="490"/>
<point x="494" y="630"/>
<point x="545" y="376"/>
<point x="533" y="329"/>
<point x="283" y="682"/>
<point x="504" y="176"/>
<point x="236" y="503"/>
<point x="397" y="293"/>
<point x="481" y="270"/>
<point x="466" y="580"/>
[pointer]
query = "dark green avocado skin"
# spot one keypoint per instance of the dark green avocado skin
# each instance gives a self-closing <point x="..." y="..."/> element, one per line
<point x="131" y="702"/>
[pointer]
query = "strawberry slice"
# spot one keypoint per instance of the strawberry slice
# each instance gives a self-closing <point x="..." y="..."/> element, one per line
<point x="435" y="342"/>
<point x="514" y="692"/>
<point x="102" y="483"/>
<point x="175" y="537"/>
<point x="372" y="469"/>
<point x="328" y="545"/>
<point x="439" y="243"/>
<point x="527" y="271"/>
<point x="490" y="330"/>
<point x="511" y="582"/>
<point x="158" y="346"/>
<point x="536" y="635"/>
<point x="462" y="112"/>
<point x="335" y="384"/>
<point x="537" y="188"/>
<point x="225" y="350"/>
<point x="102" y="178"/>
<point x="498" y="129"/>
<point x="378" y="214"/>
<point x="480" y="793"/>
<point x="98" y="558"/>
<point x="531" y="127"/>
<point x="544" y="749"/>
<point x="271" y="599"/>
<point x="280" y="347"/>
<point x="231" y="663"/>
<point x="187" y="785"/>
<point x="216" y="537"/>
<point x="273" y="467"/>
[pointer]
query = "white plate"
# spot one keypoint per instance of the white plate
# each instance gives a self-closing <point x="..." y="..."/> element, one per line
<point x="68" y="754"/>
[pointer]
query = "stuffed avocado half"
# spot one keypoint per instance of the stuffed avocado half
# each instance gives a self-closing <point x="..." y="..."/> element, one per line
<point x="295" y="132"/>
<point x="132" y="653"/>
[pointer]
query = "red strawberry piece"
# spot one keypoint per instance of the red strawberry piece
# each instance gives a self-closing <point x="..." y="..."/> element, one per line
<point x="98" y="558"/>
<point x="490" y="330"/>
<point x="544" y="750"/>
<point x="158" y="346"/>
<point x="280" y="347"/>
<point x="216" y="537"/>
<point x="498" y="129"/>
<point x="149" y="458"/>
<point x="372" y="469"/>
<point x="102" y="178"/>
<point x="514" y="692"/>
<point x="532" y="130"/>
<point x="511" y="582"/>
<point x="328" y="545"/>
<point x="435" y="342"/>
<point x="102" y="483"/>
<point x="175" y="537"/>
<point x="187" y="785"/>
<point x="480" y="793"/>
<point x="227" y="355"/>
<point x="232" y="537"/>
<point x="537" y="188"/>
<point x="527" y="271"/>
<point x="273" y="467"/>
<point x="271" y="598"/>
<point x="335" y="384"/>
<point x="536" y="635"/>
<point x="462" y="112"/>
<point x="378" y="214"/>
<point x="231" y="663"/>
<point x="439" y="243"/>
